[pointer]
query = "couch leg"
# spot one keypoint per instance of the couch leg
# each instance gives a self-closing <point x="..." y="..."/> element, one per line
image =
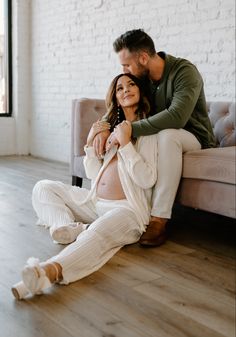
<point x="77" y="181"/>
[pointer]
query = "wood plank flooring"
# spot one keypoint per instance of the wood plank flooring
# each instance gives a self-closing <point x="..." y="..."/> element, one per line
<point x="185" y="288"/>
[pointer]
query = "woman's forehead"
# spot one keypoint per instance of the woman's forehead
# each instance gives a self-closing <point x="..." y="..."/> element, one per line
<point x="124" y="79"/>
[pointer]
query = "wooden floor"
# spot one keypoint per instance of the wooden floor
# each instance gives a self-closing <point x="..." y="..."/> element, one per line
<point x="186" y="288"/>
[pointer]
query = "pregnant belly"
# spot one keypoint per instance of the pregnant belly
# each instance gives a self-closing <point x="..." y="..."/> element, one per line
<point x="109" y="185"/>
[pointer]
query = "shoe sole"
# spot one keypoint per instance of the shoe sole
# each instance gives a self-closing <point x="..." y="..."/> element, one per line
<point x="62" y="235"/>
<point x="15" y="293"/>
<point x="154" y="243"/>
<point x="65" y="234"/>
<point x="19" y="290"/>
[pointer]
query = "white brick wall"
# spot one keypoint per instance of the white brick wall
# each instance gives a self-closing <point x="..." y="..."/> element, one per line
<point x="22" y="74"/>
<point x="72" y="56"/>
<point x="7" y="136"/>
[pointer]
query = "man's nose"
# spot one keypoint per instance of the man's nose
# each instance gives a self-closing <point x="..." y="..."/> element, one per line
<point x="125" y="70"/>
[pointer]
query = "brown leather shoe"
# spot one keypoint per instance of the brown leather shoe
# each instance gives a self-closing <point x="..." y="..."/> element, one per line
<point x="155" y="234"/>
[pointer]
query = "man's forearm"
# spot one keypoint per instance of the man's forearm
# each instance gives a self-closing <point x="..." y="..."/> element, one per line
<point x="165" y="119"/>
<point x="175" y="117"/>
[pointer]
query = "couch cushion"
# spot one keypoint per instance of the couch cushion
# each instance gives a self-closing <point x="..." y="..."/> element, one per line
<point x="223" y="121"/>
<point x="215" y="164"/>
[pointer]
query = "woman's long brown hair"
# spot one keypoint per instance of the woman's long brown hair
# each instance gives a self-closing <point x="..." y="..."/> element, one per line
<point x="112" y="107"/>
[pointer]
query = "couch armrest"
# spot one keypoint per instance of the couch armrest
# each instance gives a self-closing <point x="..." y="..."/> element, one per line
<point x="85" y="111"/>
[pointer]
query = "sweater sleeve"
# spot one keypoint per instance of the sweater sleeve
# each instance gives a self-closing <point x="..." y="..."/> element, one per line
<point x="92" y="164"/>
<point x="187" y="85"/>
<point x="141" y="164"/>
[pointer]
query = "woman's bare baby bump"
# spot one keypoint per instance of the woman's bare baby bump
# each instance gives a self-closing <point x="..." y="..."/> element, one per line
<point x="109" y="185"/>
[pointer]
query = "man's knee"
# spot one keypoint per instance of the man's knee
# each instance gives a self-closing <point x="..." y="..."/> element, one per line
<point x="168" y="137"/>
<point x="167" y="134"/>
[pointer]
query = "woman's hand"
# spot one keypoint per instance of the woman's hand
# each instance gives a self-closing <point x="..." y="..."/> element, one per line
<point x="111" y="141"/>
<point x="122" y="133"/>
<point x="96" y="128"/>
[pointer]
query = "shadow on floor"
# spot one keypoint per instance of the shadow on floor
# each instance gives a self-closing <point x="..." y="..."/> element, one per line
<point x="195" y="227"/>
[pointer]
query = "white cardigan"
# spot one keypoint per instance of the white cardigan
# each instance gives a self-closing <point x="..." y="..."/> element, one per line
<point x="137" y="169"/>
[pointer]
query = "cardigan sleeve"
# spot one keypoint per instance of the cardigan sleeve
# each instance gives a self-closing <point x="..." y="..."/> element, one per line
<point x="92" y="164"/>
<point x="141" y="164"/>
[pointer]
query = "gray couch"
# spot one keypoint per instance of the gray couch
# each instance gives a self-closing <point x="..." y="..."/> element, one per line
<point x="208" y="178"/>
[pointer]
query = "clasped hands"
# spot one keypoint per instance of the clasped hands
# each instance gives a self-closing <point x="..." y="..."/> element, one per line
<point x="102" y="140"/>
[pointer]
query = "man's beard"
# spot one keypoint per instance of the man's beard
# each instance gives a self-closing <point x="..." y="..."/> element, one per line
<point x="142" y="72"/>
<point x="143" y="76"/>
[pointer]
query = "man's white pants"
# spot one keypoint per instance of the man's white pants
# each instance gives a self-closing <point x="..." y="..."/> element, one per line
<point x="113" y="225"/>
<point x="172" y="143"/>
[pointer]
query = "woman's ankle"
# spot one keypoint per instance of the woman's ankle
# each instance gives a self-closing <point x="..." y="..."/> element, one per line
<point x="53" y="271"/>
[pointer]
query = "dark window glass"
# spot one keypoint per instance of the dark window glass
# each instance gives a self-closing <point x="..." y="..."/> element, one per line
<point x="5" y="59"/>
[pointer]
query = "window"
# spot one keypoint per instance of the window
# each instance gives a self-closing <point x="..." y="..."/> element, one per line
<point x="5" y="59"/>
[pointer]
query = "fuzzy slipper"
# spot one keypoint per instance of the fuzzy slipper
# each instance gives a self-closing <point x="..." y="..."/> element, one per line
<point x="34" y="277"/>
<point x="67" y="234"/>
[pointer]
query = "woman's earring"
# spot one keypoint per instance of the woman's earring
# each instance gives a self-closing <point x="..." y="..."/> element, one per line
<point x="118" y="114"/>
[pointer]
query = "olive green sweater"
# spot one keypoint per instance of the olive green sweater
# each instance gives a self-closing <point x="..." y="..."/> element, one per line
<point x="178" y="102"/>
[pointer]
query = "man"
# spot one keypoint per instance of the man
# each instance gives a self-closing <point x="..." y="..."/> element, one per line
<point x="179" y="116"/>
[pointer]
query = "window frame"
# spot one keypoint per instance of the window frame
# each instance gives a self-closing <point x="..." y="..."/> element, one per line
<point x="8" y="58"/>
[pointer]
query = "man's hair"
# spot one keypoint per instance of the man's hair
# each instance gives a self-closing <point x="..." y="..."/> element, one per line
<point x="135" y="40"/>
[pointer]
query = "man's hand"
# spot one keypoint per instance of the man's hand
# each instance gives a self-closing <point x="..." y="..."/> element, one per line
<point x="96" y="128"/>
<point x="99" y="142"/>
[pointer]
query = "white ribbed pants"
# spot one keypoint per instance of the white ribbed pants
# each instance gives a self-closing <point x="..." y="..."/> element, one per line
<point x="172" y="143"/>
<point x="113" y="225"/>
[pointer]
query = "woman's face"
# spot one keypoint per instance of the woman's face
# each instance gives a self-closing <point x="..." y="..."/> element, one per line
<point x="127" y="92"/>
